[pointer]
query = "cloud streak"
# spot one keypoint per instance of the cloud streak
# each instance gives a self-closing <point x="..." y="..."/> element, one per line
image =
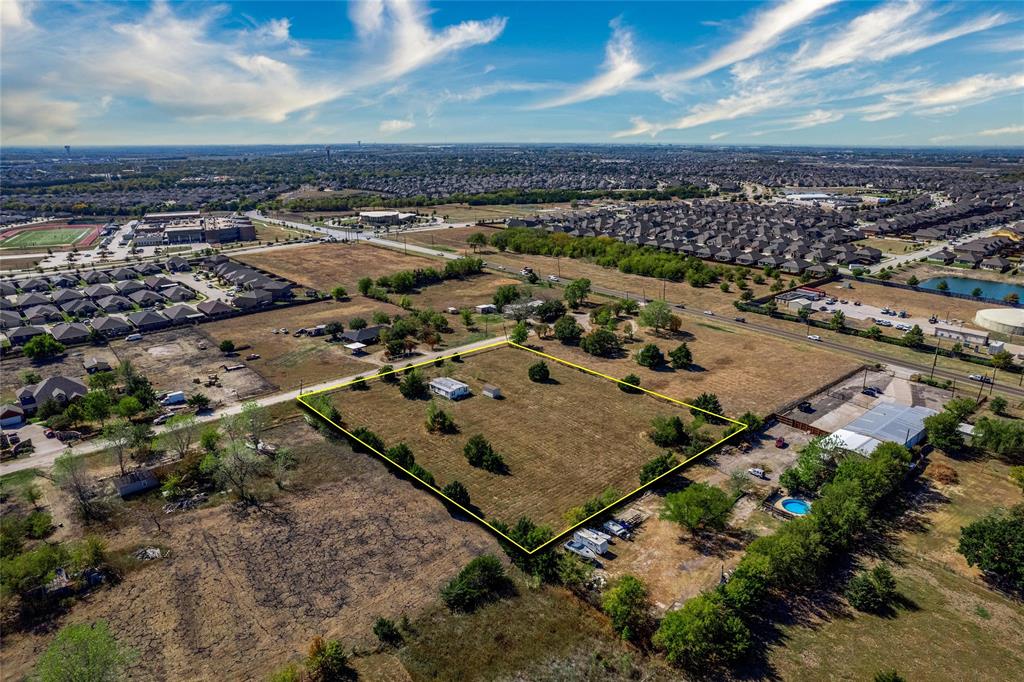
<point x="619" y="70"/>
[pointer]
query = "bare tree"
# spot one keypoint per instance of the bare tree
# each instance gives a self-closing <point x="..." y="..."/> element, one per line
<point x="119" y="436"/>
<point x="236" y="468"/>
<point x="180" y="434"/>
<point x="69" y="473"/>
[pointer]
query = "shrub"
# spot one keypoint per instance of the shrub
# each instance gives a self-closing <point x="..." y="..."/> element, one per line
<point x="628" y="604"/>
<point x="650" y="356"/>
<point x="872" y="591"/>
<point x="703" y="634"/>
<point x="657" y="466"/>
<point x="401" y="455"/>
<point x="479" y="453"/>
<point x="668" y="432"/>
<point x="568" y="331"/>
<point x="706" y="402"/>
<point x="422" y="474"/>
<point x="629" y="383"/>
<point x="681" y="356"/>
<point x="83" y="652"/>
<point x="539" y="372"/>
<point x="457" y="492"/>
<point x="482" y="580"/>
<point x="601" y="343"/>
<point x="698" y="507"/>
<point x="413" y="386"/>
<point x="367" y="438"/>
<point x="42" y="347"/>
<point x="439" y="421"/>
<point x="387" y="632"/>
<point x="995" y="544"/>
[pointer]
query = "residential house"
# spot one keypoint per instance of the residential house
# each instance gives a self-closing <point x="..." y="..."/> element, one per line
<point x="70" y="334"/>
<point x="20" y="335"/>
<point x="213" y="308"/>
<point x="111" y="326"/>
<point x="59" y="388"/>
<point x="148" y="320"/>
<point x="448" y="388"/>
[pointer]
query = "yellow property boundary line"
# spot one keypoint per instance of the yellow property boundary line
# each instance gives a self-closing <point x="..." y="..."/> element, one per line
<point x="303" y="398"/>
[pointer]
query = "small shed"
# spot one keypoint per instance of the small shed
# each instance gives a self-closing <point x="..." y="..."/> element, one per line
<point x="135" y="482"/>
<point x="93" y="365"/>
<point x="356" y="348"/>
<point x="449" y="388"/>
<point x="492" y="391"/>
<point x="486" y="309"/>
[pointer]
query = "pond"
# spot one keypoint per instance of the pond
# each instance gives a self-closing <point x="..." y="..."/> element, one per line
<point x="967" y="285"/>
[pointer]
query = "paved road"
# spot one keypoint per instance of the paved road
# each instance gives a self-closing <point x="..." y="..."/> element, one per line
<point x="43" y="461"/>
<point x="910" y="256"/>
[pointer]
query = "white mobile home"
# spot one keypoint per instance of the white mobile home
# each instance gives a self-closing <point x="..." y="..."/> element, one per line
<point x="591" y="539"/>
<point x="449" y="388"/>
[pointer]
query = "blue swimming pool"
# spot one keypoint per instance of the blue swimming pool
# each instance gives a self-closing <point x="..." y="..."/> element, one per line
<point x="796" y="506"/>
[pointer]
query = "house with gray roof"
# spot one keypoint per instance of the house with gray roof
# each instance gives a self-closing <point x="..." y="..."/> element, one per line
<point x="42" y="314"/>
<point x="9" y="319"/>
<point x="59" y="388"/>
<point x="145" y="297"/>
<point x="111" y="326"/>
<point x="148" y="320"/>
<point x="19" y="335"/>
<point x="213" y="308"/>
<point x="113" y="304"/>
<point x="70" y="334"/>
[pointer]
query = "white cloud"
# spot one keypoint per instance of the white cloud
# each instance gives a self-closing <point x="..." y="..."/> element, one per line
<point x="413" y="44"/>
<point x="765" y="31"/>
<point x="744" y="102"/>
<point x="479" y="92"/>
<point x="176" y="63"/>
<point x="896" y="28"/>
<point x="367" y="15"/>
<point x="32" y="117"/>
<point x="717" y="136"/>
<point x="395" y="125"/>
<point x="815" y="118"/>
<point x="999" y="132"/>
<point x="943" y="99"/>
<point x="14" y="15"/>
<point x="618" y="71"/>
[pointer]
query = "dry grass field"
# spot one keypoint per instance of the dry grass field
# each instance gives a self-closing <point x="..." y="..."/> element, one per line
<point x="286" y="361"/>
<point x="453" y="238"/>
<point x="464" y="213"/>
<point x="564" y="441"/>
<point x="324" y="266"/>
<point x="747" y="371"/>
<point x="239" y="594"/>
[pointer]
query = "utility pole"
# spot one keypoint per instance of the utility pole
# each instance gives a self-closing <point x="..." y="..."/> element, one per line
<point x="935" y="359"/>
<point x="993" y="384"/>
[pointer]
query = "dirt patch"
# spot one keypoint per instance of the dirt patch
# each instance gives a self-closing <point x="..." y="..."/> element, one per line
<point x="172" y="359"/>
<point x="70" y="364"/>
<point x="239" y="595"/>
<point x="325" y="266"/>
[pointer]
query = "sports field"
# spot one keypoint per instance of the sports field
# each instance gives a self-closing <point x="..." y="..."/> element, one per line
<point x="45" y="238"/>
<point x="564" y="441"/>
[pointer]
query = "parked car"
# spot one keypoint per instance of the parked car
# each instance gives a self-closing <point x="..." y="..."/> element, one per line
<point x="162" y="418"/>
<point x="708" y="312"/>
<point x="757" y="473"/>
<point x="740" y="319"/>
<point x="553" y="278"/>
<point x="133" y="337"/>
<point x="814" y="337"/>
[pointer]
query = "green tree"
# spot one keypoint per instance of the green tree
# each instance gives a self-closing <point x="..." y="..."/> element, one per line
<point x="1001" y="436"/>
<point x="467" y="317"/>
<point x="961" y="408"/>
<point x="96" y="406"/>
<point x="976" y="292"/>
<point x="668" y="432"/>
<point x="505" y="295"/>
<point x="889" y="676"/>
<point x="656" y="315"/>
<point x="995" y="544"/>
<point x="1002" y="360"/>
<point x="630" y="384"/>
<point x="568" y="331"/>
<point x="357" y="323"/>
<point x="387" y="632"/>
<point x="457" y="492"/>
<point x="628" y="605"/>
<point x="576" y="292"/>
<point x="1017" y="476"/>
<point x="838" y="320"/>
<point x="84" y="652"/>
<point x="874" y="332"/>
<point x="479" y="453"/>
<point x="519" y="333"/>
<point x="998" y="405"/>
<point x="702" y="635"/>
<point x="128" y="406"/>
<point x="656" y="467"/>
<point x="339" y="293"/>
<point x="681" y="356"/>
<point x="198" y="401"/>
<point x="413" y="386"/>
<point x="227" y="346"/>
<point x="364" y="285"/>
<point x="698" y="507"/>
<point x="704" y="403"/>
<point x="913" y="338"/>
<point x="539" y="372"/>
<point x="439" y="421"/>
<point x="328" y="662"/>
<point x="944" y="432"/>
<point x="872" y="591"/>
<point x="601" y="343"/>
<point x="913" y="281"/>
<point x="42" y="347"/>
<point x="650" y="356"/>
<point x="943" y="285"/>
<point x="477" y="240"/>
<point x="482" y="580"/>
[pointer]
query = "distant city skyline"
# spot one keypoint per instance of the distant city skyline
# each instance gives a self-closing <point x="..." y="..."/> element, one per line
<point x="795" y="72"/>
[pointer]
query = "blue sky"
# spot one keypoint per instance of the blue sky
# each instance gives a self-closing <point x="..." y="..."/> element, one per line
<point x="815" y="72"/>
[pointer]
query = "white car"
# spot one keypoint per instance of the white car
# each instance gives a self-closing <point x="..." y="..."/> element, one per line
<point x="708" y="312"/>
<point x="553" y="278"/>
<point x="814" y="337"/>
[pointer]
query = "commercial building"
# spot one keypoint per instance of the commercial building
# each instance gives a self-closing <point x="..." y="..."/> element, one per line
<point x="887" y="422"/>
<point x="385" y="217"/>
<point x="192" y="227"/>
<point x="962" y="334"/>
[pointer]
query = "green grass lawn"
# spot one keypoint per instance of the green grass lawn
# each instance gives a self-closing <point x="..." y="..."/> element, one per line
<point x="58" y="236"/>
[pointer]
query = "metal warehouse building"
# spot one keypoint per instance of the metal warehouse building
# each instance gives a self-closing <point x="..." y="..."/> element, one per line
<point x="887" y="422"/>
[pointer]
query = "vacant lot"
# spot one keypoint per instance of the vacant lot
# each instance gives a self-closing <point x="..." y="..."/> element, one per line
<point x="564" y="441"/>
<point x="325" y="266"/>
<point x="453" y="238"/>
<point x="464" y="213"/>
<point x="746" y="370"/>
<point x="710" y="297"/>
<point x="241" y="593"/>
<point x="917" y="303"/>
<point x="286" y="361"/>
<point x="173" y="359"/>
<point x="980" y="627"/>
<point x="889" y="246"/>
